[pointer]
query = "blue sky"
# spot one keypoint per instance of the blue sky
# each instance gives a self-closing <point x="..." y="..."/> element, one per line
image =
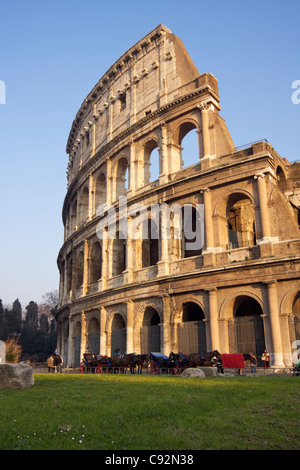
<point x="54" y="52"/>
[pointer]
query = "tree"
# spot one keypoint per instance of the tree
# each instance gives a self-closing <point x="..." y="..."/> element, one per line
<point x="32" y="318"/>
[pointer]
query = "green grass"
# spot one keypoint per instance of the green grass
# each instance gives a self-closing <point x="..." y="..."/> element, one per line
<point x="97" y="412"/>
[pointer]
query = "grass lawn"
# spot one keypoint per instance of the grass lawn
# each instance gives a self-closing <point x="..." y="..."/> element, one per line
<point x="118" y="412"/>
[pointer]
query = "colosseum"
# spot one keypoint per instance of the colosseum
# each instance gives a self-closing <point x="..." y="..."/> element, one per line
<point x="167" y="251"/>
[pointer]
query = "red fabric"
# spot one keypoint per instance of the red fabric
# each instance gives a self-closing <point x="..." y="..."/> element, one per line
<point x="233" y="361"/>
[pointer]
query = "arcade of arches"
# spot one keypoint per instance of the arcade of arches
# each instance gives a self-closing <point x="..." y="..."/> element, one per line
<point x="241" y="325"/>
<point x="151" y="133"/>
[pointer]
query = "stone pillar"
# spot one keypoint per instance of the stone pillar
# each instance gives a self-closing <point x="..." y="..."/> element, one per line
<point x="208" y="226"/>
<point x="91" y="197"/>
<point x="71" y="345"/>
<point x="84" y="333"/>
<point x="213" y="319"/>
<point x="209" y="251"/>
<point x="165" y="332"/>
<point x="205" y="136"/>
<point x="105" y="255"/>
<point x="129" y="327"/>
<point x="263" y="209"/>
<point x="103" y="348"/>
<point x="132" y="171"/>
<point x="276" y="355"/>
<point x="85" y="286"/>
<point x="164" y="263"/>
<point x="128" y="274"/>
<point x="163" y="156"/>
<point x="108" y="181"/>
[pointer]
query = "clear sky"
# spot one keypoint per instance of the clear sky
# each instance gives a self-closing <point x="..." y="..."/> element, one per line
<point x="52" y="55"/>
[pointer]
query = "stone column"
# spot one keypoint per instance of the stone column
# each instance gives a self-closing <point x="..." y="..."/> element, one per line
<point x="128" y="277"/>
<point x="163" y="219"/>
<point x="204" y="107"/>
<point x="213" y="319"/>
<point x="132" y="171"/>
<point x="129" y="327"/>
<point x="263" y="209"/>
<point x="103" y="348"/>
<point x="209" y="251"/>
<point x="108" y="181"/>
<point x="165" y="332"/>
<point x="163" y="155"/>
<point x="208" y="226"/>
<point x="71" y="348"/>
<point x="105" y="255"/>
<point x="85" y="286"/>
<point x="83" y="334"/>
<point x="276" y="355"/>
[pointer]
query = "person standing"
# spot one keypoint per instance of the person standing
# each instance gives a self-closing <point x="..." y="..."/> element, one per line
<point x="266" y="359"/>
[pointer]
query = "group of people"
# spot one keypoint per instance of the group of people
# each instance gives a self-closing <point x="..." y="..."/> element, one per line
<point x="265" y="359"/>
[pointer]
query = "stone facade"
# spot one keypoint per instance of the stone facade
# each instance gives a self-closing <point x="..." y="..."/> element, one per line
<point x="238" y="291"/>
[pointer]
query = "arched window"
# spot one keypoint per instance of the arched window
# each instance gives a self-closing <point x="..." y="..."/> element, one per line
<point x="79" y="270"/>
<point x="119" y="254"/>
<point x="189" y="145"/>
<point x="192" y="228"/>
<point x="240" y="221"/>
<point x="296" y="312"/>
<point x="77" y="344"/>
<point x="94" y="336"/>
<point x="73" y="216"/>
<point x="150" y="331"/>
<point x="96" y="262"/>
<point x="150" y="243"/>
<point x="118" y="334"/>
<point x="191" y="331"/>
<point x="247" y="335"/>
<point x="84" y="205"/>
<point x="282" y="182"/>
<point x="122" y="177"/>
<point x="151" y="162"/>
<point x="100" y="191"/>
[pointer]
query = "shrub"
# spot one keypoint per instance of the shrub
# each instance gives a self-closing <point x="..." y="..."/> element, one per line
<point x="13" y="350"/>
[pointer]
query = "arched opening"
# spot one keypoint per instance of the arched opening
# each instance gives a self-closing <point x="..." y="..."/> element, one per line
<point x="282" y="182"/>
<point x="73" y="216"/>
<point x="151" y="161"/>
<point x="69" y="273"/>
<point x="191" y="331"/>
<point x="240" y="221"/>
<point x="84" y="205"/>
<point x="150" y="331"/>
<point x="296" y="312"/>
<point x="79" y="270"/>
<point x="96" y="262"/>
<point x="150" y="243"/>
<point x="193" y="235"/>
<point x="188" y="140"/>
<point x="118" y="334"/>
<point x="248" y="335"/>
<point x="118" y="254"/>
<point x="100" y="191"/>
<point x="122" y="177"/>
<point x="94" y="336"/>
<point x="77" y="344"/>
